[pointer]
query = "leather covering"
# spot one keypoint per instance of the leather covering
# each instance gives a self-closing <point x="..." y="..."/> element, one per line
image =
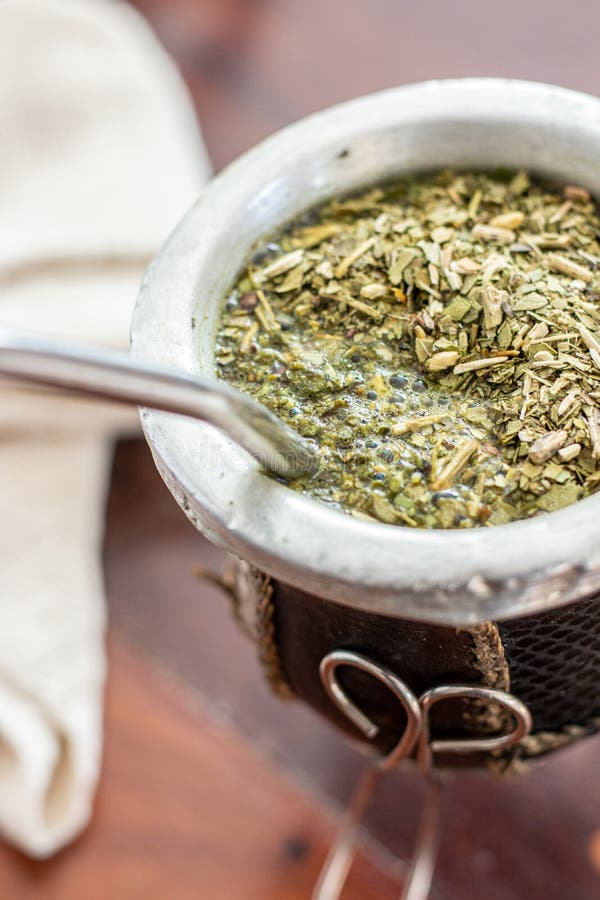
<point x="550" y="661"/>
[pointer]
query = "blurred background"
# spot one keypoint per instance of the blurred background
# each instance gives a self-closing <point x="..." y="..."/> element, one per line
<point x="211" y="787"/>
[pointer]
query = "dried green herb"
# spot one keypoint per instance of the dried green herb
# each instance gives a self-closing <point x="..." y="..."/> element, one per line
<point x="439" y="338"/>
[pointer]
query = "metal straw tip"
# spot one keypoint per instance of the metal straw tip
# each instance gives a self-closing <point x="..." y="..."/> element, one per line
<point x="300" y="461"/>
<point x="291" y="455"/>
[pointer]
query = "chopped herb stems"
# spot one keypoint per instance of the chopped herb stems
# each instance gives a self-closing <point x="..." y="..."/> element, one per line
<point x="439" y="338"/>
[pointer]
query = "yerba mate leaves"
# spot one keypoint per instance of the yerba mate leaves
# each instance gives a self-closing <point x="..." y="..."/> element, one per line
<point x="439" y="338"/>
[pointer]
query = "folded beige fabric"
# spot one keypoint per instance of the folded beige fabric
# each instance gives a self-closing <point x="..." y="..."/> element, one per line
<point x="99" y="157"/>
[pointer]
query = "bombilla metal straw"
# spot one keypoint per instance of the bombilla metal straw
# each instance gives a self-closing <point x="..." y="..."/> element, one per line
<point x="115" y="375"/>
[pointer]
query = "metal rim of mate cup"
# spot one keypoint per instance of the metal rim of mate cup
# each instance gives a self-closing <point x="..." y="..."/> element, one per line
<point x="453" y="578"/>
<point x="460" y="591"/>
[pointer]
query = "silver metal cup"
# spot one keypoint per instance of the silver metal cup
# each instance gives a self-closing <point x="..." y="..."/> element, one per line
<point x="448" y="577"/>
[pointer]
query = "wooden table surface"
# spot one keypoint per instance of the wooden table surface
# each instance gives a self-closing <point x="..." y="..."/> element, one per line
<point x="212" y="788"/>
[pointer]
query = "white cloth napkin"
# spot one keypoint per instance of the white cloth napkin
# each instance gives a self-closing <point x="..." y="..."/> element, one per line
<point x="99" y="157"/>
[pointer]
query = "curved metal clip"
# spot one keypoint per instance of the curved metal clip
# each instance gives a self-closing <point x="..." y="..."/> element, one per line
<point x="327" y="671"/>
<point x="517" y="709"/>
<point x="420" y="875"/>
<point x="339" y="860"/>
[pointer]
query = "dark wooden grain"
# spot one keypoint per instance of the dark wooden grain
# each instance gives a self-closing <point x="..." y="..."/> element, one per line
<point x="186" y="810"/>
<point x="530" y="836"/>
<point x="255" y="65"/>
